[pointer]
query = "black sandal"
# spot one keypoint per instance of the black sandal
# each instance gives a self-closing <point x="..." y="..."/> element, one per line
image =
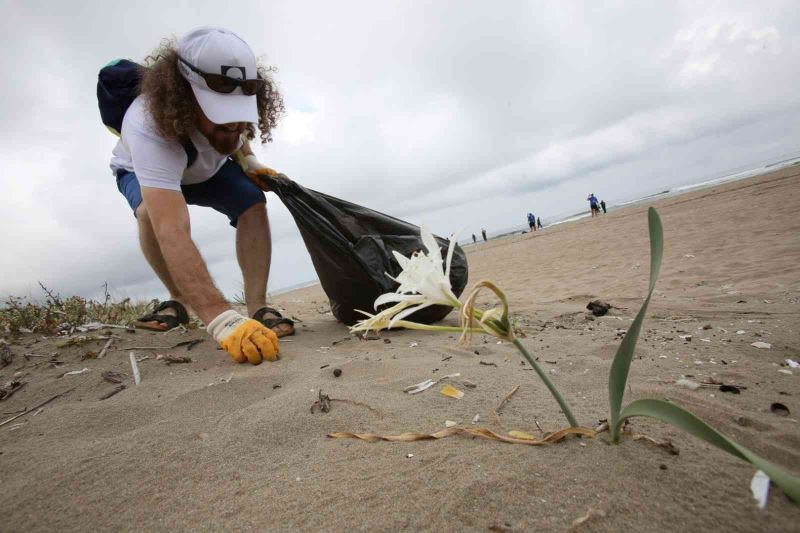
<point x="272" y="322"/>
<point x="168" y="321"/>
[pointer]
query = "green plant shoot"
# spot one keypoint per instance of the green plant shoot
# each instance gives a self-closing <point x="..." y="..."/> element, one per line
<point x="666" y="411"/>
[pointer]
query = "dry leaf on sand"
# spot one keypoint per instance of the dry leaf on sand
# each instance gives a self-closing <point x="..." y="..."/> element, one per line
<point x="475" y="432"/>
<point x="521" y="435"/>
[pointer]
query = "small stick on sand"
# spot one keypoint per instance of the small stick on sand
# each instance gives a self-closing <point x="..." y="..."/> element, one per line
<point x="505" y="400"/>
<point x="119" y="326"/>
<point x="360" y="404"/>
<point x="112" y="392"/>
<point x="173" y="359"/>
<point x="105" y="348"/>
<point x="4" y="422"/>
<point x="137" y="378"/>
<point x="112" y="377"/>
<point x="12" y="387"/>
<point x="189" y="345"/>
<point x="80" y="339"/>
<point x="148" y="347"/>
<point x="665" y="445"/>
<point x="323" y="403"/>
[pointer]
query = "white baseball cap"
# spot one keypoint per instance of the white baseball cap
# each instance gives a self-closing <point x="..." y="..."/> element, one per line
<point x="215" y="50"/>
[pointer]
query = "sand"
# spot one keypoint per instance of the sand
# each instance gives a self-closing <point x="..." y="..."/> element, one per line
<point x="211" y="445"/>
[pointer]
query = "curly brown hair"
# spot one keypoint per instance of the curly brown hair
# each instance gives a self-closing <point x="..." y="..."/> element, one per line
<point x="172" y="104"/>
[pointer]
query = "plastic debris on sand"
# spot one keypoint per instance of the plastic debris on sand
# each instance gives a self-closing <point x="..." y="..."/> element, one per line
<point x="760" y="487"/>
<point x="452" y="392"/>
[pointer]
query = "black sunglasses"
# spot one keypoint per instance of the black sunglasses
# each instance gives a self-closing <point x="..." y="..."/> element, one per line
<point x="226" y="84"/>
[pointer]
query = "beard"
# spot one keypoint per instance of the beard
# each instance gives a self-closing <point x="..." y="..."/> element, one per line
<point x="224" y="141"/>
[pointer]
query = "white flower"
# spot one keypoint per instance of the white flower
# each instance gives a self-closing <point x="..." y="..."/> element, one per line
<point x="423" y="283"/>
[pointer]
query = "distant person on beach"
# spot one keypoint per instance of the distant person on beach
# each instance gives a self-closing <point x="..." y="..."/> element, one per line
<point x="532" y="221"/>
<point x="474" y="240"/>
<point x="483" y="232"/>
<point x="593" y="205"/>
<point x="539" y="222"/>
<point x="200" y="102"/>
<point x="603" y="205"/>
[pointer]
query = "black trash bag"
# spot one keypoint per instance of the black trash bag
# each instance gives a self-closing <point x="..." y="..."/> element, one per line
<point x="351" y="248"/>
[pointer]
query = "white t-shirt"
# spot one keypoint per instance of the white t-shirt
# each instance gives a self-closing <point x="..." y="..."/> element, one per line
<point x="157" y="162"/>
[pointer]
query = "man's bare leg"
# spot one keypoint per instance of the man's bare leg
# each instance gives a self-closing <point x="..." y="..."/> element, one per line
<point x="152" y="253"/>
<point x="254" y="252"/>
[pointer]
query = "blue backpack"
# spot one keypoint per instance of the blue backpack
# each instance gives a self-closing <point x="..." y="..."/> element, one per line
<point x="117" y="87"/>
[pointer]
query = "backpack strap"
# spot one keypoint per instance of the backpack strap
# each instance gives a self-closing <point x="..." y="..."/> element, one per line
<point x="188" y="146"/>
<point x="191" y="150"/>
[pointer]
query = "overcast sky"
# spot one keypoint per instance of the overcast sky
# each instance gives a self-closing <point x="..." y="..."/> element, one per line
<point x="461" y="115"/>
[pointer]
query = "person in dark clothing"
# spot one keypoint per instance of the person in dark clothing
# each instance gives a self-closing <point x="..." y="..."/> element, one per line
<point x="593" y="205"/>
<point x="603" y="205"/>
<point x="539" y="222"/>
<point x="483" y="232"/>
<point x="474" y="240"/>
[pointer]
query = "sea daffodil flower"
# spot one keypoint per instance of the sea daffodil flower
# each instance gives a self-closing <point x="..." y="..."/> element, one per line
<point x="424" y="282"/>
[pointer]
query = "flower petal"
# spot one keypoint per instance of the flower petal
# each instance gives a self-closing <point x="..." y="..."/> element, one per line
<point x="450" y="248"/>
<point x="401" y="259"/>
<point x="397" y="297"/>
<point x="434" y="252"/>
<point x="404" y="313"/>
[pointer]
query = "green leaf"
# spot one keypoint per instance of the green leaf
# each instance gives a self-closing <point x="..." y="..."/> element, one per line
<point x="618" y="377"/>
<point x="683" y="419"/>
<point x="665" y="411"/>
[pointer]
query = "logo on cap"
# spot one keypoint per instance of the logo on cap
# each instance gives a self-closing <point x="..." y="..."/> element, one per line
<point x="235" y="72"/>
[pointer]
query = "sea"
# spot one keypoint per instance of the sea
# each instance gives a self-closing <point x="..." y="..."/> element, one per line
<point x="725" y="177"/>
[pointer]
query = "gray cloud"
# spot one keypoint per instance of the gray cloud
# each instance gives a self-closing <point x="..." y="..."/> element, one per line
<point x="460" y="115"/>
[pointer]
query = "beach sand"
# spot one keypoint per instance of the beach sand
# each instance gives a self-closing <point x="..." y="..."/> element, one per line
<point x="212" y="445"/>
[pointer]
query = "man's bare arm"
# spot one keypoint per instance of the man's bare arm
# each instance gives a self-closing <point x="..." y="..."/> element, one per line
<point x="169" y="216"/>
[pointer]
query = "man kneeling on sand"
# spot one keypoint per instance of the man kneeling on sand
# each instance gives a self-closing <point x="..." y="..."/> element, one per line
<point x="199" y="103"/>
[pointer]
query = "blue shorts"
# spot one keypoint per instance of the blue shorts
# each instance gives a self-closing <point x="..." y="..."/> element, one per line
<point x="229" y="191"/>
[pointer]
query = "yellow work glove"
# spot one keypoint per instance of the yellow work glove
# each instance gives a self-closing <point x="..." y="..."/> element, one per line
<point x="254" y="167"/>
<point x="243" y="338"/>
